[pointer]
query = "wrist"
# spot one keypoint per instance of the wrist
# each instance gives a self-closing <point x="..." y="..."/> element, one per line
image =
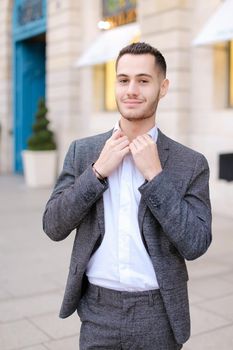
<point x="97" y="173"/>
<point x="150" y="175"/>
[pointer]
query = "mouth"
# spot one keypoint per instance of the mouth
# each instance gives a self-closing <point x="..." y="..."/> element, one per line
<point x="132" y="102"/>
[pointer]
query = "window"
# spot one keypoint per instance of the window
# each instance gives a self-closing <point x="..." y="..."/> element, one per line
<point x="223" y="75"/>
<point x="231" y="74"/>
<point x="104" y="87"/>
<point x="110" y="102"/>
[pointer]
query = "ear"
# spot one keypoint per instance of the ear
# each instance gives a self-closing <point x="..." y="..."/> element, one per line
<point x="164" y="88"/>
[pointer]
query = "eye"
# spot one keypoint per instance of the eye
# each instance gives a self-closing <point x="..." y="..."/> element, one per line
<point x="143" y="81"/>
<point x="123" y="81"/>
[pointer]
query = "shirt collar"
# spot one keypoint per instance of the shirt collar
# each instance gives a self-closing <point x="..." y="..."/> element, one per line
<point x="153" y="133"/>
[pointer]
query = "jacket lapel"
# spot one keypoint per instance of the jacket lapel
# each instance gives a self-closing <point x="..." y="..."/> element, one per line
<point x="100" y="206"/>
<point x="163" y="150"/>
<point x="98" y="146"/>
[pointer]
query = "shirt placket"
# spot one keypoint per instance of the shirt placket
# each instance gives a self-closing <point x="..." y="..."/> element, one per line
<point x="124" y="223"/>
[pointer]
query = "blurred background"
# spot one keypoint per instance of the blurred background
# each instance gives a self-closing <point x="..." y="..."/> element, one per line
<point x="62" y="52"/>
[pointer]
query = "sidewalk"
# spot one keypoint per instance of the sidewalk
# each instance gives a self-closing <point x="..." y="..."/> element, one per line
<point x="33" y="272"/>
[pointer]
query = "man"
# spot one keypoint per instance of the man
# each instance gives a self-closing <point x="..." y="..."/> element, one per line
<point x="139" y="202"/>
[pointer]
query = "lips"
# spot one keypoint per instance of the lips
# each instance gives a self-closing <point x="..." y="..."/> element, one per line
<point x="132" y="102"/>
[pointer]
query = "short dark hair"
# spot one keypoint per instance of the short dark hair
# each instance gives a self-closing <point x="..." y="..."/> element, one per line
<point x="142" y="48"/>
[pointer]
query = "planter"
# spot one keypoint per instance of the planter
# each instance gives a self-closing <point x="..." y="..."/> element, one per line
<point x="40" y="168"/>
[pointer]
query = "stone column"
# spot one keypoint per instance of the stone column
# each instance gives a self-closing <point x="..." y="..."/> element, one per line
<point x="6" y="161"/>
<point x="165" y="24"/>
<point x="64" y="37"/>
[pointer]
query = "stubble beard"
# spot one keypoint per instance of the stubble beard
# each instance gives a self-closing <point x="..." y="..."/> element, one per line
<point x="135" y="116"/>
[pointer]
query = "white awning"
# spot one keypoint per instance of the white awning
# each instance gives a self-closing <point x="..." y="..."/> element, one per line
<point x="219" y="27"/>
<point x="108" y="44"/>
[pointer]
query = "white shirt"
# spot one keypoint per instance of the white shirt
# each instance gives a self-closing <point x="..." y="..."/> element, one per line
<point x="122" y="262"/>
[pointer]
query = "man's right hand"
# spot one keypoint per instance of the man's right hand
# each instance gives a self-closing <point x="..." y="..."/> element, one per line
<point x="115" y="148"/>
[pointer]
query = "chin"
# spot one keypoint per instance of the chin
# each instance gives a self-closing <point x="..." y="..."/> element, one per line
<point x="131" y="114"/>
<point x="134" y="117"/>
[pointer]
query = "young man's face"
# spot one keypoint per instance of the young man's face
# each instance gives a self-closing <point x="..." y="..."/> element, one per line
<point x="139" y="86"/>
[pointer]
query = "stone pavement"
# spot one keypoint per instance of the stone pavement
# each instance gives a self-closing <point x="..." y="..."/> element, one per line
<point x="33" y="272"/>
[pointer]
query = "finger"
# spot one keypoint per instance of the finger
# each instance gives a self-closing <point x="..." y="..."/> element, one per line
<point x="147" y="138"/>
<point x="118" y="144"/>
<point x="142" y="142"/>
<point x="115" y="143"/>
<point x="116" y="135"/>
<point x="120" y="139"/>
<point x="132" y="148"/>
<point x="125" y="151"/>
<point x="137" y="143"/>
<point x="121" y="145"/>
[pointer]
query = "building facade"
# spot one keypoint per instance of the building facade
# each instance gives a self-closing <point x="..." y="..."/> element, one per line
<point x="42" y="41"/>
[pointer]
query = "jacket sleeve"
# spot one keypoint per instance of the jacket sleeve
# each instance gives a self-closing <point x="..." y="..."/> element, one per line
<point x="71" y="199"/>
<point x="185" y="219"/>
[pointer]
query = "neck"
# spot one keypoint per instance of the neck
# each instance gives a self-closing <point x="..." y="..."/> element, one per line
<point x="135" y="128"/>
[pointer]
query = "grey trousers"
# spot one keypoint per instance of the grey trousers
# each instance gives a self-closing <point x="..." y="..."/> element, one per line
<point x="124" y="320"/>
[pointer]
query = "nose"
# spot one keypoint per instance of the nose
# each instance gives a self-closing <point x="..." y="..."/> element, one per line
<point x="132" y="89"/>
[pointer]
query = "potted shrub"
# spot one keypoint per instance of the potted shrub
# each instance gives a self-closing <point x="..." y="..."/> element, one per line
<point x="40" y="159"/>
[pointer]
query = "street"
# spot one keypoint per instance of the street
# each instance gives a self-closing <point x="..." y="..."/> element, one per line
<point x="33" y="272"/>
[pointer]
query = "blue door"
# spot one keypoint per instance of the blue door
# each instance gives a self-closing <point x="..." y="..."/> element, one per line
<point x="29" y="88"/>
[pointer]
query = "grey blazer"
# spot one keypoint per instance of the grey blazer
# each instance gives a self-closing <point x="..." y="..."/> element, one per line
<point x="174" y="219"/>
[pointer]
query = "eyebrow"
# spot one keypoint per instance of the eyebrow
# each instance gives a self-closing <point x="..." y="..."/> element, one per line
<point x="137" y="75"/>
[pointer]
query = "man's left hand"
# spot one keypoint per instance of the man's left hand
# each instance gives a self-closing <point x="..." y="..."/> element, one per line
<point x="146" y="157"/>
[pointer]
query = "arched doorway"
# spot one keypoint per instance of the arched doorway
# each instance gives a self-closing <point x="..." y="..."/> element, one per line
<point x="29" y="62"/>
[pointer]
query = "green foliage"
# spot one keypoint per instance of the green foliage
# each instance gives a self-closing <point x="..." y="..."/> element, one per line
<point x="42" y="138"/>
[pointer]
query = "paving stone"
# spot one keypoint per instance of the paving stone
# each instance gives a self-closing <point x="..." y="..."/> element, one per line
<point x="221" y="226"/>
<point x="218" y="339"/>
<point x="16" y="335"/>
<point x="186" y="346"/>
<point x="70" y="343"/>
<point x="194" y="298"/>
<point x="207" y="267"/>
<point x="211" y="287"/>
<point x="4" y="294"/>
<point x="222" y="306"/>
<point x="226" y="258"/>
<point x="15" y="309"/>
<point x="56" y="327"/>
<point x="33" y="271"/>
<point x="41" y="284"/>
<point x="37" y="347"/>
<point x="228" y="276"/>
<point x="203" y="321"/>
